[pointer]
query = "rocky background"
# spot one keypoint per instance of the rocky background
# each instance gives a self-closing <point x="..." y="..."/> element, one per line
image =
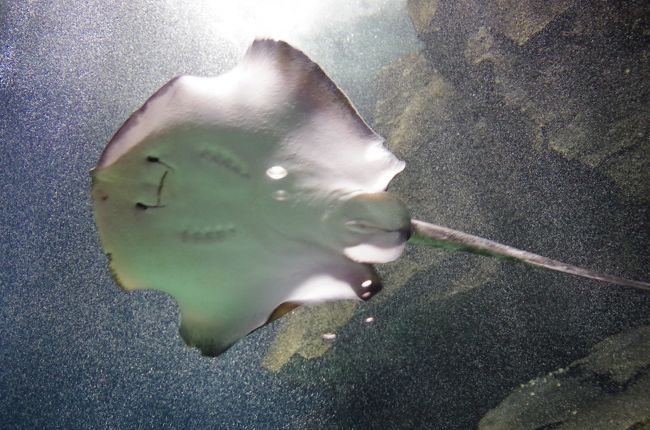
<point x="575" y="71"/>
<point x="529" y="123"/>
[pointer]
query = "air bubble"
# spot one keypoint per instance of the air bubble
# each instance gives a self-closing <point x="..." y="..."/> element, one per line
<point x="276" y="172"/>
<point x="329" y="337"/>
<point x="280" y="195"/>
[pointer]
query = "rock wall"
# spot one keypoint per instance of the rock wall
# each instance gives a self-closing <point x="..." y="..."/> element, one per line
<point x="607" y="390"/>
<point x="577" y="71"/>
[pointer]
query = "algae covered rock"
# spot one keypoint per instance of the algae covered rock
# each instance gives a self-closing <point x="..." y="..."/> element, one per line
<point x="576" y="70"/>
<point x="609" y="390"/>
<point x="306" y="332"/>
<point x="520" y="20"/>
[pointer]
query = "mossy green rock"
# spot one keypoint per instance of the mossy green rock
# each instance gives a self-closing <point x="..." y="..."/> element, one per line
<point x="577" y="71"/>
<point x="607" y="390"/>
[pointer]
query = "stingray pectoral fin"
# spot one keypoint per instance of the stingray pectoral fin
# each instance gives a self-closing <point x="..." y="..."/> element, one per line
<point x="424" y="233"/>
<point x="202" y="336"/>
<point x="214" y="332"/>
<point x="282" y="310"/>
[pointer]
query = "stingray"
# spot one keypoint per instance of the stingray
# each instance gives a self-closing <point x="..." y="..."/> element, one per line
<point x="256" y="191"/>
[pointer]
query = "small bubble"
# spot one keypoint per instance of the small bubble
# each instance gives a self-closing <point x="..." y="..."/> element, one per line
<point x="329" y="337"/>
<point x="366" y="283"/>
<point x="369" y="320"/>
<point x="280" y="195"/>
<point x="276" y="172"/>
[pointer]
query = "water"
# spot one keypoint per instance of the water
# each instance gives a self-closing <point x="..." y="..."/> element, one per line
<point x="495" y="144"/>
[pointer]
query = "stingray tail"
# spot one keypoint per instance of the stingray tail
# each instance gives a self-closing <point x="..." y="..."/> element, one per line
<point x="437" y="236"/>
